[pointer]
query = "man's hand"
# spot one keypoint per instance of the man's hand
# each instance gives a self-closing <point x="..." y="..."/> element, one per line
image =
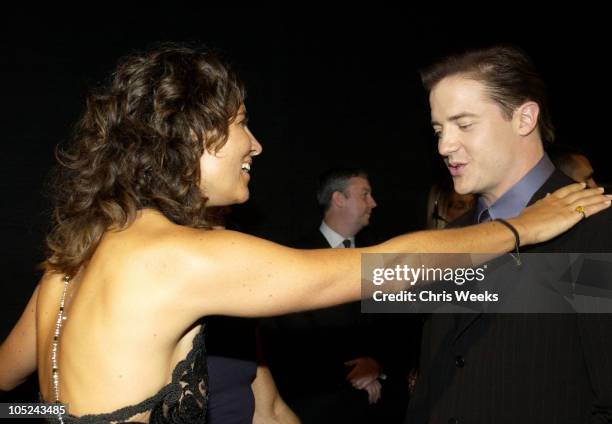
<point x="365" y="371"/>
<point x="374" y="390"/>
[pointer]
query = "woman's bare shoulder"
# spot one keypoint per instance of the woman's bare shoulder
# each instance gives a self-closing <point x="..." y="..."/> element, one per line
<point x="156" y="235"/>
<point x="49" y="282"/>
<point x="154" y="246"/>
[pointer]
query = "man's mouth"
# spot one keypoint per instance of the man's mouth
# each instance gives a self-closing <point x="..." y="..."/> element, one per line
<point x="246" y="167"/>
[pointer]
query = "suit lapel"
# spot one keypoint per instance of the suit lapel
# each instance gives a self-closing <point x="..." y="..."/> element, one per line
<point x="556" y="180"/>
<point x="463" y="321"/>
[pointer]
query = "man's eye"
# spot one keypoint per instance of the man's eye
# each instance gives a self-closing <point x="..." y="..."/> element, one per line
<point x="465" y="126"/>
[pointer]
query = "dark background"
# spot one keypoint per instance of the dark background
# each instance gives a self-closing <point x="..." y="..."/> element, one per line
<point x="324" y="89"/>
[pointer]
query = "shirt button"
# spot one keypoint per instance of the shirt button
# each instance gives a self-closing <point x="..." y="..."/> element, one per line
<point x="459" y="362"/>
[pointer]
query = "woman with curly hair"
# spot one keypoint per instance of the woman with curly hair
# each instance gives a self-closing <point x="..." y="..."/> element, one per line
<point x="114" y="326"/>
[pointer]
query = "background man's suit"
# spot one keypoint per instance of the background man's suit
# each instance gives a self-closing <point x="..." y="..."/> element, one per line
<point x="306" y="352"/>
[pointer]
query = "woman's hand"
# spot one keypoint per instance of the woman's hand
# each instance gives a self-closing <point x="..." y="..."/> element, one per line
<point x="558" y="212"/>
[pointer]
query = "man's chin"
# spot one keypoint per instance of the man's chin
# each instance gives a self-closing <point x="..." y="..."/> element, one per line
<point x="461" y="187"/>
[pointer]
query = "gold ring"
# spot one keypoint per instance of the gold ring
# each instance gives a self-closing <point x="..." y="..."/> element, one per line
<point x="580" y="210"/>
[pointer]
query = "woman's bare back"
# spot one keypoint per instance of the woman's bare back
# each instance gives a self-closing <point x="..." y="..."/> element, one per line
<point x="123" y="335"/>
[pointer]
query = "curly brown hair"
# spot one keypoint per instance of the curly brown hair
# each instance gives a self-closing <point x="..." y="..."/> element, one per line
<point x="138" y="145"/>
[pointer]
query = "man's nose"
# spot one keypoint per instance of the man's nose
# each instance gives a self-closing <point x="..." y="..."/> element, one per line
<point x="447" y="143"/>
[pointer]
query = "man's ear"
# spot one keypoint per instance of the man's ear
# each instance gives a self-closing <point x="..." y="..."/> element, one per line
<point x="526" y="118"/>
<point x="338" y="199"/>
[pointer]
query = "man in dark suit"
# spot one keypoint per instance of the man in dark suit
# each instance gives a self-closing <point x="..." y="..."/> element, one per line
<point x="323" y="360"/>
<point x="490" y="115"/>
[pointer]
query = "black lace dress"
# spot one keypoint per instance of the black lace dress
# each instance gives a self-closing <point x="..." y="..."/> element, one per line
<point x="183" y="400"/>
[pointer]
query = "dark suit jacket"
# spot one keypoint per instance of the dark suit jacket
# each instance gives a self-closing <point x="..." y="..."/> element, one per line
<point x="520" y="368"/>
<point x="306" y="351"/>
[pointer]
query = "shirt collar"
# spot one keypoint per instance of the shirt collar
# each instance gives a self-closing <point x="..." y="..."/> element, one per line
<point x="512" y="202"/>
<point x="333" y="238"/>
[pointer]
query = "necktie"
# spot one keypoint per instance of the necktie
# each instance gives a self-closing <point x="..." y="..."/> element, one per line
<point x="346" y="243"/>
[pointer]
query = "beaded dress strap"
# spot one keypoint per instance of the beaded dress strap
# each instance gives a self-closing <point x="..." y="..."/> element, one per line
<point x="55" y="346"/>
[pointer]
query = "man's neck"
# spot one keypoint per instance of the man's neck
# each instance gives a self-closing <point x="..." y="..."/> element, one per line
<point x="339" y="226"/>
<point x="514" y="200"/>
<point x="517" y="173"/>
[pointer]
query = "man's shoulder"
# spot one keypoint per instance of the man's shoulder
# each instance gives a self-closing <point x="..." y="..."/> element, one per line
<point x="558" y="180"/>
<point x="591" y="234"/>
<point x="313" y="239"/>
<point x="602" y="221"/>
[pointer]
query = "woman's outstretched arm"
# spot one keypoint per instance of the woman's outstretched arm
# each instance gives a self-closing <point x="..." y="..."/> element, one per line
<point x="229" y="273"/>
